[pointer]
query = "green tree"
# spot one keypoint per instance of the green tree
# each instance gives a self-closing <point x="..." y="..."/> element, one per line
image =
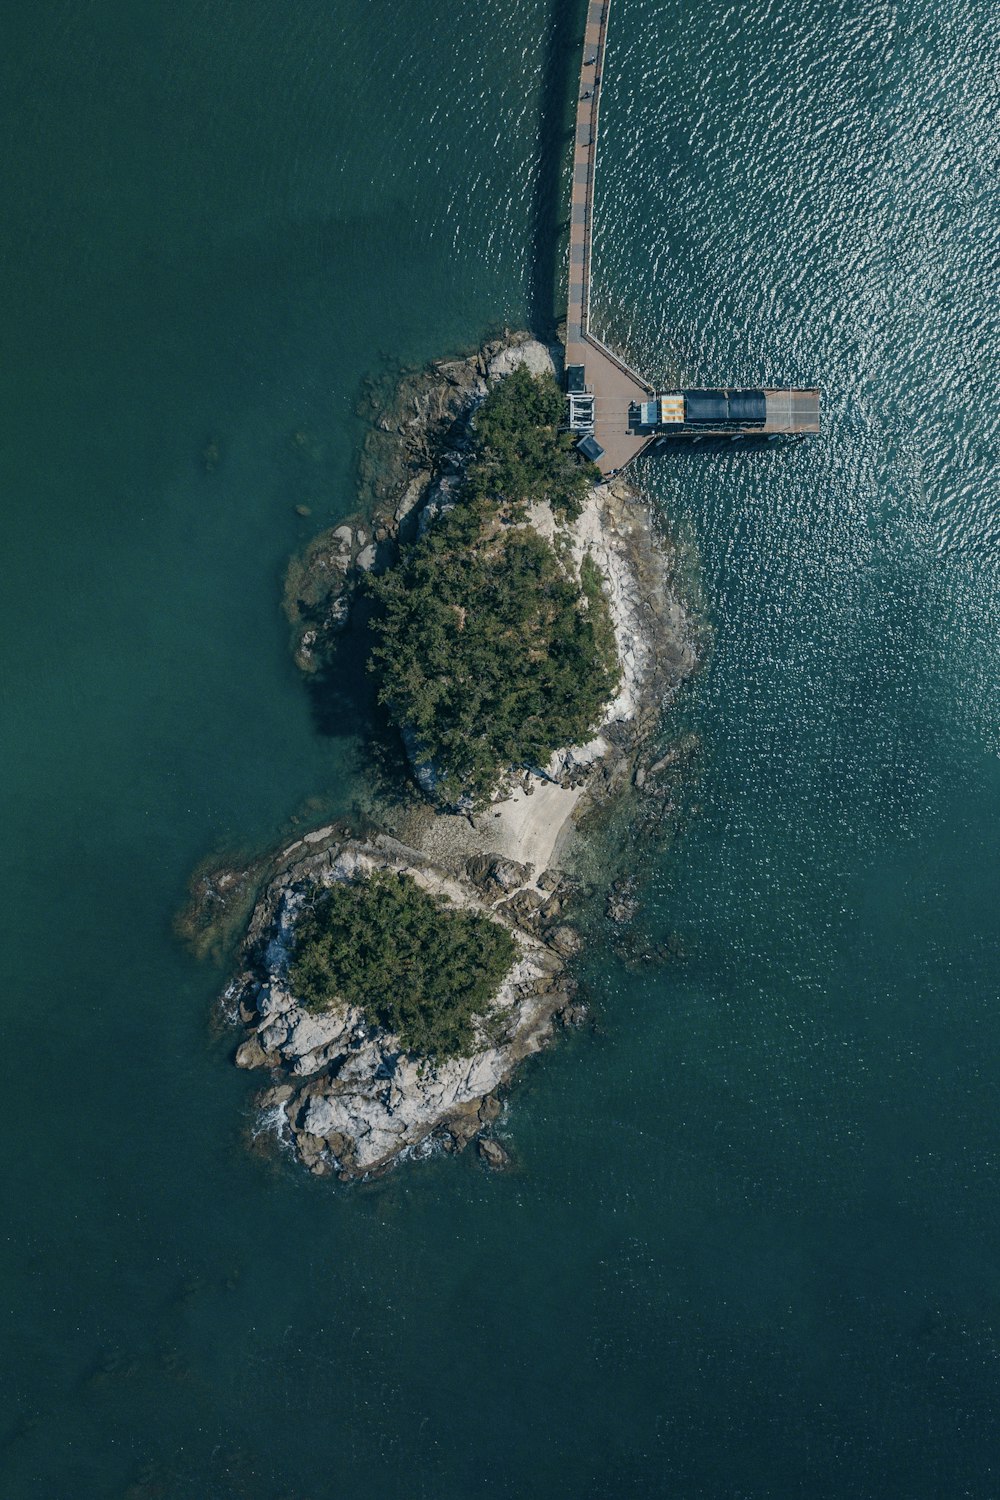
<point x="521" y="454"/>
<point x="488" y="648"/>
<point x="416" y="966"/>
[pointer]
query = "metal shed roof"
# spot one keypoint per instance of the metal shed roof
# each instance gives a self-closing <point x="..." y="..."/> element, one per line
<point x="590" y="448"/>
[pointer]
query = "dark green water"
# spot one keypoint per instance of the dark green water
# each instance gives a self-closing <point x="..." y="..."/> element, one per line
<point x="751" y="1248"/>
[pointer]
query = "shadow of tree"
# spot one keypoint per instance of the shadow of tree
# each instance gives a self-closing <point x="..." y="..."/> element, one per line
<point x="343" y="700"/>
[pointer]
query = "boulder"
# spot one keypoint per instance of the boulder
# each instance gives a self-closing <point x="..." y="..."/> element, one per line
<point x="462" y="1127"/>
<point x="412" y="495"/>
<point x="338" y="613"/>
<point x="565" y="940"/>
<point x="622" y="902"/>
<point x="321" y="1116"/>
<point x="310" y="1034"/>
<point x="273" y="1034"/>
<point x="250" y="1054"/>
<point x="531" y="354"/>
<point x="274" y="1098"/>
<point x="493" y="1154"/>
<point x="497" y="875"/>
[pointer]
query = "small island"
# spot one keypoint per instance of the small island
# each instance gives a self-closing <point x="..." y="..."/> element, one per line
<point x="524" y="627"/>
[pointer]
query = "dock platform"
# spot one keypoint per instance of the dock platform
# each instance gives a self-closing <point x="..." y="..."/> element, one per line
<point x="620" y="394"/>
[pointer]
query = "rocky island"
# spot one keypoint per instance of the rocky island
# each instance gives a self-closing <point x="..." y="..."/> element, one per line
<point x="525" y="627"/>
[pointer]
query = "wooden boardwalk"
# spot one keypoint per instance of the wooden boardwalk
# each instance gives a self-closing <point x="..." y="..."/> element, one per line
<point x="615" y="386"/>
<point x="792" y="411"/>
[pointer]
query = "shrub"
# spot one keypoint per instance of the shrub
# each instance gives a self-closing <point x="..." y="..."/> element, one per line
<point x="414" y="965"/>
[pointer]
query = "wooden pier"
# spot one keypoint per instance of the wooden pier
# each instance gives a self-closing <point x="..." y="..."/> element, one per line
<point x="618" y="390"/>
<point x="614" y="385"/>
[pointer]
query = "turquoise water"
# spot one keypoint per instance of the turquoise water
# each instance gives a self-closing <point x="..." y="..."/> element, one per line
<point x="750" y="1247"/>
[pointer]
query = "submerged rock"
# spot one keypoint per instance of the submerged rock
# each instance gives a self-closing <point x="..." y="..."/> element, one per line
<point x="493" y="1154"/>
<point x="622" y="903"/>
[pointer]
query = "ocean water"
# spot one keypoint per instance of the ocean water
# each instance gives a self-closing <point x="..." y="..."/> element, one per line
<point x="750" y="1247"/>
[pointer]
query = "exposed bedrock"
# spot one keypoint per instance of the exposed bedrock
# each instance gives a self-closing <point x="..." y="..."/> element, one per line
<point x="344" y="1092"/>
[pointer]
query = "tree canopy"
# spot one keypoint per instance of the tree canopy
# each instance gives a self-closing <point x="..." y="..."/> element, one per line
<point x="489" y="650"/>
<point x="416" y="966"/>
<point x="521" y="454"/>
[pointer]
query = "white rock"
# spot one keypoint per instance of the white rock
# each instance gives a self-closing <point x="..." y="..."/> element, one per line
<point x="412" y="494"/>
<point x="320" y="1116"/>
<point x="532" y="355"/>
<point x="382" y="1115"/>
<point x="598" y="533"/>
<point x="272" y="1035"/>
<point x="273" y="1000"/>
<point x="312" y="1031"/>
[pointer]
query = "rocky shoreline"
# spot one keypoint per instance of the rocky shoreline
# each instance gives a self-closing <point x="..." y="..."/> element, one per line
<point x="345" y="1096"/>
<point x="342" y="1093"/>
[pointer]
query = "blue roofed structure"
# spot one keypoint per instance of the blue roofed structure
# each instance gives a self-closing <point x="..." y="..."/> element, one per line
<point x="766" y="412"/>
<point x="590" y="448"/>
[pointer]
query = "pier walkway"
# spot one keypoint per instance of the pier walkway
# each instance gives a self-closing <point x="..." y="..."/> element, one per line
<point x="625" y="420"/>
<point x="615" y="386"/>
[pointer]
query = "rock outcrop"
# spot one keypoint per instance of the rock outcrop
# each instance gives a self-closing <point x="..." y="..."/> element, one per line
<point x="343" y="1092"/>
